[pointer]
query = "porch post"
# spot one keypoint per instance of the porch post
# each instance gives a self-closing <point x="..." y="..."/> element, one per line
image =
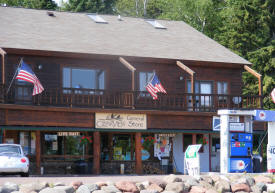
<point x="96" y="144"/>
<point x="194" y="139"/>
<point x="38" y="151"/>
<point x="138" y="154"/>
<point x="3" y="53"/>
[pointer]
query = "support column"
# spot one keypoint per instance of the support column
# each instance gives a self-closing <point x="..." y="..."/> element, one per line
<point x="224" y="140"/>
<point x="271" y="147"/>
<point x="38" y="151"/>
<point x="138" y="154"/>
<point x="96" y="144"/>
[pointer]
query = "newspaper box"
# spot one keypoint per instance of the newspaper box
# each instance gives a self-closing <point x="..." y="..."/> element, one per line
<point x="192" y="160"/>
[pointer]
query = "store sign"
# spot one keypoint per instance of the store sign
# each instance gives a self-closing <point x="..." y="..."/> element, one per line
<point x="262" y="115"/>
<point x="216" y="122"/>
<point x="270" y="158"/>
<point x="120" y="121"/>
<point x="192" y="159"/>
<point x="68" y="133"/>
<point x="239" y="127"/>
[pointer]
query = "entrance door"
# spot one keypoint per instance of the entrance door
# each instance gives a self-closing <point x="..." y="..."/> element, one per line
<point x="215" y="152"/>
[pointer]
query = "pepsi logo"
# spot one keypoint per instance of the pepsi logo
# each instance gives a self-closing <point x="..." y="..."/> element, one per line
<point x="262" y="115"/>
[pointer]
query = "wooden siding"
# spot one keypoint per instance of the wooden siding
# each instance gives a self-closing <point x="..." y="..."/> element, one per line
<point x="42" y="118"/>
<point x="118" y="76"/>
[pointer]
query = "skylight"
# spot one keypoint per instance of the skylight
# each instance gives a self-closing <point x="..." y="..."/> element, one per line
<point x="97" y="18"/>
<point x="155" y="23"/>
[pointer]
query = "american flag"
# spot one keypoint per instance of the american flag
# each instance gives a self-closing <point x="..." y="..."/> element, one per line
<point x="25" y="73"/>
<point x="273" y="95"/>
<point x="154" y="86"/>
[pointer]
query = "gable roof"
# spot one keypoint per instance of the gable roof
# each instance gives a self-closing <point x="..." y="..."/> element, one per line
<point x="75" y="32"/>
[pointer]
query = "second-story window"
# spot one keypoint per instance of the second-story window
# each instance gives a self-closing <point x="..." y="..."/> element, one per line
<point x="144" y="78"/>
<point x="82" y="78"/>
<point x="222" y="90"/>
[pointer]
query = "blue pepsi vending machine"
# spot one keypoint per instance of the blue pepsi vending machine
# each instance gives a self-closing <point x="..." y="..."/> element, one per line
<point x="241" y="146"/>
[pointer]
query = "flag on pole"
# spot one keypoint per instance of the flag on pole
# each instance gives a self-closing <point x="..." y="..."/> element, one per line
<point x="154" y="86"/>
<point x="25" y="73"/>
<point x="273" y="95"/>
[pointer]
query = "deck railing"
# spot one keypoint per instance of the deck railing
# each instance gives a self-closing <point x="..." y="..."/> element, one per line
<point x="92" y="98"/>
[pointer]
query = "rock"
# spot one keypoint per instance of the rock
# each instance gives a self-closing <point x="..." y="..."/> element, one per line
<point x="270" y="188"/>
<point x="159" y="182"/>
<point x="206" y="184"/>
<point x="197" y="189"/>
<point x="83" y="189"/>
<point x="51" y="190"/>
<point x="168" y="192"/>
<point x="215" y="178"/>
<point x="126" y="186"/>
<point x="33" y="187"/>
<point x="67" y="189"/>
<point x="99" y="191"/>
<point x="59" y="184"/>
<point x="255" y="189"/>
<point x="9" y="187"/>
<point x="109" y="183"/>
<point x="172" y="178"/>
<point x="240" y="187"/>
<point x="100" y="184"/>
<point x="250" y="180"/>
<point x="187" y="177"/>
<point x="222" y="186"/>
<point x="146" y="184"/>
<point x="1" y="189"/>
<point x="155" y="187"/>
<point x="149" y="191"/>
<point x="261" y="186"/>
<point x="211" y="191"/>
<point x="92" y="187"/>
<point x="110" y="189"/>
<point x="207" y="179"/>
<point x="76" y="184"/>
<point x="140" y="186"/>
<point x="177" y="187"/>
<point x="192" y="182"/>
<point x="225" y="178"/>
<point x="263" y="179"/>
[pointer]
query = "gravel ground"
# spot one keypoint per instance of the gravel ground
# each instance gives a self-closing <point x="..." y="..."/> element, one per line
<point x="85" y="179"/>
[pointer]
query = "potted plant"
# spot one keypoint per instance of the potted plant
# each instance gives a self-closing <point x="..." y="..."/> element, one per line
<point x="148" y="142"/>
<point x="202" y="140"/>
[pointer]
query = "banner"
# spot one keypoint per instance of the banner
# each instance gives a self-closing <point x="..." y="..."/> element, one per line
<point x="192" y="159"/>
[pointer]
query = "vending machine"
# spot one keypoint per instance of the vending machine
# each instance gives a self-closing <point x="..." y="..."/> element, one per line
<point x="241" y="146"/>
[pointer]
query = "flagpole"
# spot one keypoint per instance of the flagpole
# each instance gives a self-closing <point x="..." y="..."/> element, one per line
<point x="20" y="63"/>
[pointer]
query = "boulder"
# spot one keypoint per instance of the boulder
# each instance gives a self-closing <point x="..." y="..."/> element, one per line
<point x="92" y="187"/>
<point x="83" y="189"/>
<point x="9" y="187"/>
<point x="51" y="190"/>
<point x="197" y="189"/>
<point x="172" y="178"/>
<point x="146" y="184"/>
<point x="33" y="187"/>
<point x="99" y="191"/>
<point x="255" y="189"/>
<point x="159" y="182"/>
<point x="168" y="192"/>
<point x="140" y="186"/>
<point x="126" y="186"/>
<point x="207" y="179"/>
<point x="215" y="177"/>
<point x="270" y="188"/>
<point x="59" y="184"/>
<point x="177" y="187"/>
<point x="261" y="186"/>
<point x="222" y="186"/>
<point x="263" y="179"/>
<point x="155" y="187"/>
<point x="211" y="191"/>
<point x="205" y="185"/>
<point x="110" y="189"/>
<point x="192" y="182"/>
<point x="100" y="184"/>
<point x="67" y="189"/>
<point x="240" y="187"/>
<point x="76" y="184"/>
<point x="149" y="191"/>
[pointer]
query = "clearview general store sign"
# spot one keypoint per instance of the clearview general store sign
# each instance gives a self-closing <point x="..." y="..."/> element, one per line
<point x="120" y="121"/>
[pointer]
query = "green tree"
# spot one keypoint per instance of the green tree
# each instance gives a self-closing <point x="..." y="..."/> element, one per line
<point x="247" y="29"/>
<point x="34" y="4"/>
<point x="91" y="6"/>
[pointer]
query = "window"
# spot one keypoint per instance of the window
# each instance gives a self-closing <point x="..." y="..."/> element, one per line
<point x="222" y="90"/>
<point x="83" y="78"/>
<point x="23" y="91"/>
<point x="204" y="88"/>
<point x="27" y="141"/>
<point x="144" y="78"/>
<point x="97" y="18"/>
<point x="155" y="23"/>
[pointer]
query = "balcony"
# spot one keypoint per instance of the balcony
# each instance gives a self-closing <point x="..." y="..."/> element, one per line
<point x="91" y="98"/>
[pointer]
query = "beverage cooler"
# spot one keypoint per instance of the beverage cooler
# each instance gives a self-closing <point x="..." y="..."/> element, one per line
<point x="241" y="146"/>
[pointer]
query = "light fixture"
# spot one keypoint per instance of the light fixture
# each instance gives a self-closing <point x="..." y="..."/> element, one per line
<point x="40" y="66"/>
